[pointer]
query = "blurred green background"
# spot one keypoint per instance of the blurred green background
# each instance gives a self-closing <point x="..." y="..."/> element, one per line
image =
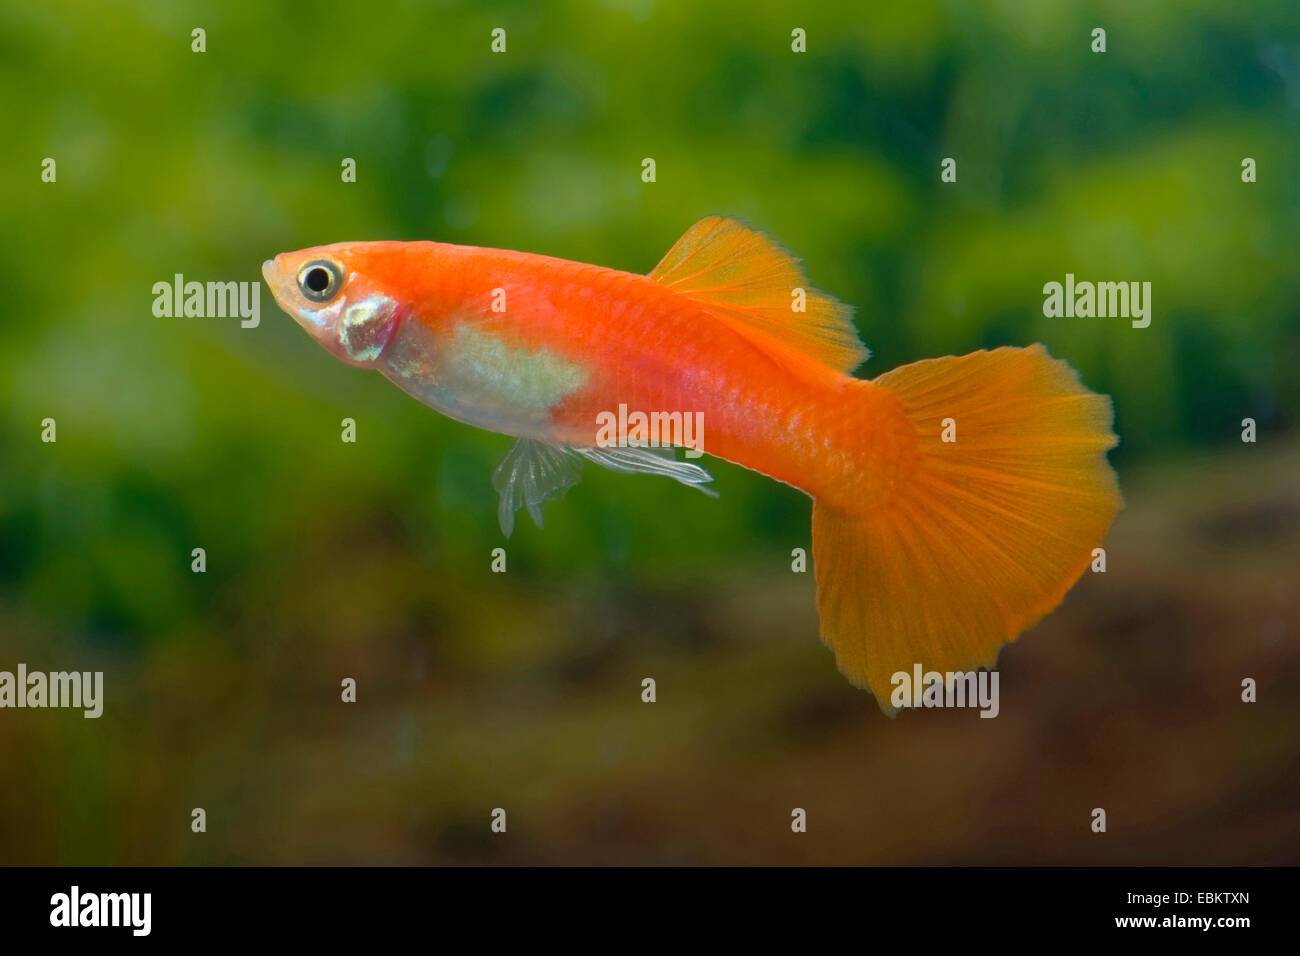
<point x="371" y="560"/>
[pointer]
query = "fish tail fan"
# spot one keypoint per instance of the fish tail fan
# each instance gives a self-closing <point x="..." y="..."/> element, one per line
<point x="968" y="521"/>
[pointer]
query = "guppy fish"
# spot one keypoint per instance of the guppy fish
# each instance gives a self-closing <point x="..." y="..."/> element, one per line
<point x="955" y="500"/>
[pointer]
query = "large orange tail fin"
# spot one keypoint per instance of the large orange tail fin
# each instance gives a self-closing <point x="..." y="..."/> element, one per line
<point x="975" y="538"/>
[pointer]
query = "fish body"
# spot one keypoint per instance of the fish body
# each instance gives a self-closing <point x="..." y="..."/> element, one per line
<point x="573" y="340"/>
<point x="955" y="500"/>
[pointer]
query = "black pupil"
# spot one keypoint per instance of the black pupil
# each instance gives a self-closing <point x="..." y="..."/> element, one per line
<point x="318" y="279"/>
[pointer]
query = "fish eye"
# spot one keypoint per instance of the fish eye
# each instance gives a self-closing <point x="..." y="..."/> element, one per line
<point x="320" y="279"/>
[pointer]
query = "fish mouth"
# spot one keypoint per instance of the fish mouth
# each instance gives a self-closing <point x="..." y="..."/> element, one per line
<point x="273" y="277"/>
<point x="279" y="284"/>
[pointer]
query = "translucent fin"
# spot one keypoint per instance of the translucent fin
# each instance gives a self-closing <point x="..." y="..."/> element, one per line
<point x="748" y="281"/>
<point x="532" y="473"/>
<point x="649" y="461"/>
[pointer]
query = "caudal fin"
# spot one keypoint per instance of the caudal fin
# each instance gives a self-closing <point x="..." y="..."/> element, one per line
<point x="972" y="540"/>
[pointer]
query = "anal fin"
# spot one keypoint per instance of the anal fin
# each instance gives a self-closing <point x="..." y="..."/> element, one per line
<point x="649" y="461"/>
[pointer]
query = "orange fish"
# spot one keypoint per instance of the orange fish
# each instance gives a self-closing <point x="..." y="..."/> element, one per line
<point x="955" y="500"/>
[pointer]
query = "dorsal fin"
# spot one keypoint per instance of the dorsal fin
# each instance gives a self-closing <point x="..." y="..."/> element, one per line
<point x="747" y="280"/>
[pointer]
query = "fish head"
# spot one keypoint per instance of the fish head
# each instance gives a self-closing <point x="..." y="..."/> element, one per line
<point x="335" y="293"/>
